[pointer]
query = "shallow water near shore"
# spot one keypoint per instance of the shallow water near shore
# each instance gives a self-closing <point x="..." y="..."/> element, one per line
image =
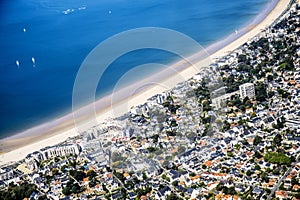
<point x="59" y="35"/>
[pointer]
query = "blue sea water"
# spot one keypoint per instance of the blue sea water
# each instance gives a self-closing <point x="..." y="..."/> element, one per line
<point x="59" y="43"/>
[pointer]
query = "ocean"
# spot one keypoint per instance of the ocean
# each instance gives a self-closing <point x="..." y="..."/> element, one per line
<point x="43" y="44"/>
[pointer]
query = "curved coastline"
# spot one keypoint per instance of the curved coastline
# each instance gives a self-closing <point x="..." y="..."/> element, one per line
<point x="17" y="146"/>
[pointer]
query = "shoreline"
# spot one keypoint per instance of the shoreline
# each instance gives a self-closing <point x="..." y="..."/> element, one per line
<point x="58" y="130"/>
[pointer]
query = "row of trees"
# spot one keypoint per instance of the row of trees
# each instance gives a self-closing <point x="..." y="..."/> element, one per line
<point x="225" y="189"/>
<point x="261" y="92"/>
<point x="173" y="196"/>
<point x="242" y="105"/>
<point x="16" y="192"/>
<point x="203" y="95"/>
<point x="277" y="158"/>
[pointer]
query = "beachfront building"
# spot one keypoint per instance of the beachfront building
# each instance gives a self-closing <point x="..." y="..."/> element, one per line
<point x="51" y="152"/>
<point x="65" y="150"/>
<point x="34" y="158"/>
<point x="160" y="98"/>
<point x="247" y="90"/>
<point x="220" y="101"/>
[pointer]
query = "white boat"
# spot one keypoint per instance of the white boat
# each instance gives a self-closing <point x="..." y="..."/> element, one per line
<point x="33" y="61"/>
<point x="17" y="63"/>
<point x="68" y="11"/>
<point x="82" y="8"/>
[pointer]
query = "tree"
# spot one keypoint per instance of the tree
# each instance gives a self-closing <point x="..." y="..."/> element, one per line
<point x="261" y="92"/>
<point x="175" y="183"/>
<point x="294" y="181"/>
<point x="236" y="101"/>
<point x="252" y="114"/>
<point x="66" y="191"/>
<point x="63" y="168"/>
<point x="93" y="182"/>
<point x="283" y="93"/>
<point x="237" y="146"/>
<point x="245" y="100"/>
<point x="192" y="174"/>
<point x="56" y="159"/>
<point x="75" y="188"/>
<point x="277" y="158"/>
<point x="119" y="175"/>
<point x="257" y="140"/>
<point x="277" y="140"/>
<point x="54" y="171"/>
<point x="264" y="177"/>
<point x="14" y="192"/>
<point x="297" y="195"/>
<point x="165" y="177"/>
<point x="152" y="149"/>
<point x="70" y="188"/>
<point x="73" y="164"/>
<point x="257" y="167"/>
<point x="173" y="196"/>
<point x="276" y="172"/>
<point x="242" y="58"/>
<point x="226" y="125"/>
<point x="44" y="197"/>
<point x="242" y="108"/>
<point x="91" y="174"/>
<point x="181" y="149"/>
<point x="78" y="175"/>
<point x="249" y="173"/>
<point x="230" y="154"/>
<point x="220" y="186"/>
<point x="231" y="191"/>
<point x="271" y="94"/>
<point x="257" y="155"/>
<point x="145" y="177"/>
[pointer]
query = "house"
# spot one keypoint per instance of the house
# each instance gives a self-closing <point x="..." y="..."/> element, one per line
<point x="175" y="175"/>
<point x="281" y="194"/>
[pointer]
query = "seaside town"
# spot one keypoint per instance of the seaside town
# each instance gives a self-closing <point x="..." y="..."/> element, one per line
<point x="230" y="132"/>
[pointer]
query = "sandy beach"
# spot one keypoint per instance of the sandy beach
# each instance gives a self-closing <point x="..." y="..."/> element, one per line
<point x="16" y="147"/>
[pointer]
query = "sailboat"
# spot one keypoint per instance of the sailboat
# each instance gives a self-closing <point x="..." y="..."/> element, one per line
<point x="33" y="61"/>
<point x="18" y="63"/>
